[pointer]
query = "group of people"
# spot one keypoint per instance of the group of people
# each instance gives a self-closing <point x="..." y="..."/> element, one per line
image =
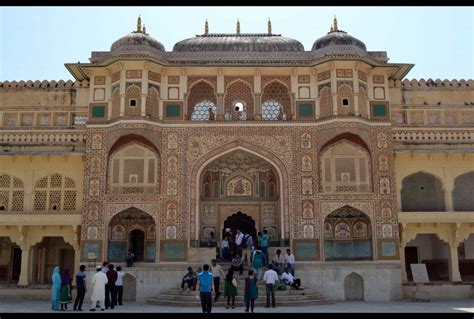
<point x="241" y="245"/>
<point x="107" y="288"/>
<point x="280" y="273"/>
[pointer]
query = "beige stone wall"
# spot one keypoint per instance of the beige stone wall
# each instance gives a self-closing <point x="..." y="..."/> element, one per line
<point x="30" y="168"/>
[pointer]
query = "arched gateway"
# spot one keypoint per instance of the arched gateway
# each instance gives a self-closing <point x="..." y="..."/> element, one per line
<point x="135" y="230"/>
<point x="239" y="189"/>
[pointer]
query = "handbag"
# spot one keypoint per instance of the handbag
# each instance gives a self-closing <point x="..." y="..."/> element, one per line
<point x="234" y="282"/>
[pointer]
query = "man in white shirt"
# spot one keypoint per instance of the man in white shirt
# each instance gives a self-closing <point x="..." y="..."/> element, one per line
<point x="288" y="279"/>
<point x="119" y="285"/>
<point x="270" y="277"/>
<point x="99" y="280"/>
<point x="217" y="272"/>
<point x="290" y="261"/>
<point x="239" y="237"/>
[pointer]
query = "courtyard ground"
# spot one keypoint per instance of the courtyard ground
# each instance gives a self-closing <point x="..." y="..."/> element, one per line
<point x="436" y="306"/>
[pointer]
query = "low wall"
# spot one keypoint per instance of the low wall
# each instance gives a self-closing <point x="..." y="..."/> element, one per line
<point x="442" y="290"/>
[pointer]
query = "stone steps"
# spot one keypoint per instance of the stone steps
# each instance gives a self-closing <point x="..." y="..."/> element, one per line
<point x="240" y="291"/>
<point x="260" y="302"/>
<point x="192" y="298"/>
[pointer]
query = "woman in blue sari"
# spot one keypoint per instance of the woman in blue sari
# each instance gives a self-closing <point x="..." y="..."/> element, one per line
<point x="55" y="289"/>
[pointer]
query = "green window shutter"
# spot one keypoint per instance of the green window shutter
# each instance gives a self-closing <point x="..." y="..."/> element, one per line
<point x="98" y="111"/>
<point x="379" y="110"/>
<point x="173" y="110"/>
<point x="306" y="110"/>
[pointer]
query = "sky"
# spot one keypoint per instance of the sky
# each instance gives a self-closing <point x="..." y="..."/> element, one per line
<point x="35" y="42"/>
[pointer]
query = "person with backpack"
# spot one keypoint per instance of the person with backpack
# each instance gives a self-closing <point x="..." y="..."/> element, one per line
<point x="81" y="288"/>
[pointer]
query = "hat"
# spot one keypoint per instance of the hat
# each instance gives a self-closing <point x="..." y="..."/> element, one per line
<point x="99" y="266"/>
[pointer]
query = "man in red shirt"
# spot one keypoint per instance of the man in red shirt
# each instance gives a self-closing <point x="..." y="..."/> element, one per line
<point x="110" y="290"/>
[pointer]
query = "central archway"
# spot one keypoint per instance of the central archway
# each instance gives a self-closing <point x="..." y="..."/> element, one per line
<point x="240" y="221"/>
<point x="135" y="230"/>
<point x="240" y="179"/>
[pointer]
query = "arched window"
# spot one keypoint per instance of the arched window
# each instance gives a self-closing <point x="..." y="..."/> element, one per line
<point x="422" y="192"/>
<point x="276" y="99"/>
<point x="345" y="168"/>
<point x="463" y="192"/>
<point x="238" y="101"/>
<point x="352" y="236"/>
<point x="133" y="170"/>
<point x="133" y="100"/>
<point x="201" y="111"/>
<point x="11" y="193"/>
<point x="200" y="92"/>
<point x="55" y="193"/>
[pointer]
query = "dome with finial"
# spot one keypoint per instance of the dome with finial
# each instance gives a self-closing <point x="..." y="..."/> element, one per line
<point x="255" y="42"/>
<point x="137" y="40"/>
<point x="338" y="42"/>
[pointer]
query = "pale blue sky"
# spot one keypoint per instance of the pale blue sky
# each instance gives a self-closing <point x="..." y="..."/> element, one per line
<point x="35" y="42"/>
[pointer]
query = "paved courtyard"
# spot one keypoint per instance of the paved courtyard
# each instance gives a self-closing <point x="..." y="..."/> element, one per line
<point x="437" y="306"/>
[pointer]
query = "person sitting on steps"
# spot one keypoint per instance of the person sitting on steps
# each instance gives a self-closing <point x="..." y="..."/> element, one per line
<point x="289" y="280"/>
<point x="189" y="279"/>
<point x="237" y="264"/>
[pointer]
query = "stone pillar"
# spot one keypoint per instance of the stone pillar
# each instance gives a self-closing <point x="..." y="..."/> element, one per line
<point x="220" y="107"/>
<point x="143" y="106"/>
<point x="403" y="269"/>
<point x="448" y="196"/>
<point x="25" y="274"/>
<point x="356" y="96"/>
<point x="334" y="92"/>
<point x="454" y="274"/>
<point x="122" y="105"/>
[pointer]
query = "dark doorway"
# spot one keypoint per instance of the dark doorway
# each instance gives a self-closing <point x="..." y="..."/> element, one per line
<point x="240" y="221"/>
<point x="67" y="260"/>
<point x="137" y="243"/>
<point x="16" y="264"/>
<point x="411" y="257"/>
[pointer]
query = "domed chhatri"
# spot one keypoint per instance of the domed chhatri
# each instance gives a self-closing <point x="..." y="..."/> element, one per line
<point x="337" y="40"/>
<point x="137" y="40"/>
<point x="256" y="42"/>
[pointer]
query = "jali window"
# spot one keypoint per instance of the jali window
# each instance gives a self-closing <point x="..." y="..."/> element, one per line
<point x="55" y="193"/>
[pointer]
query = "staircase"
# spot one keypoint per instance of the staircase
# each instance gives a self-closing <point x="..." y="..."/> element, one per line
<point x="289" y="297"/>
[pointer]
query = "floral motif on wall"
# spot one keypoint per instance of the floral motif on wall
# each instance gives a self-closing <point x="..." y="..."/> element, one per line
<point x="382" y="140"/>
<point x="96" y="141"/>
<point x="172" y="164"/>
<point x="170" y="232"/>
<point x="95" y="164"/>
<point x="239" y="186"/>
<point x="387" y="231"/>
<point x="342" y="230"/>
<point x="172" y="186"/>
<point x="307" y="186"/>
<point x="93" y="212"/>
<point x="172" y="141"/>
<point x="384" y="185"/>
<point x="306" y="165"/>
<point x="308" y="231"/>
<point x="118" y="232"/>
<point x="92" y="232"/>
<point x="308" y="209"/>
<point x="305" y="140"/>
<point x="171" y="211"/>
<point x="383" y="163"/>
<point x="94" y="187"/>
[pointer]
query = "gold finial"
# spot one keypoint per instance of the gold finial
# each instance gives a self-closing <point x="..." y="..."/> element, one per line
<point x="335" y="23"/>
<point x="206" y="27"/>
<point x="269" y="26"/>
<point x="238" y="26"/>
<point x="139" y="24"/>
<point x="144" y="29"/>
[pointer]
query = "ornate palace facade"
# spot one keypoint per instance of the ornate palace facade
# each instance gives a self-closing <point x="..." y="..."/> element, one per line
<point x="357" y="169"/>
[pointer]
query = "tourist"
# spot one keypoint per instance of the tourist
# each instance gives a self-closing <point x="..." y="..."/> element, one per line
<point x="65" y="294"/>
<point x="232" y="245"/>
<point x="189" y="279"/>
<point x="290" y="261"/>
<point x="270" y="277"/>
<point x="110" y="291"/>
<point x="230" y="288"/>
<point x="263" y="243"/>
<point x="119" y="285"/>
<point x="204" y="289"/>
<point x="258" y="262"/>
<point x="289" y="280"/>
<point x="250" y="291"/>
<point x="99" y="280"/>
<point x="239" y="237"/>
<point x="56" y="288"/>
<point x="130" y="258"/>
<point x="225" y="249"/>
<point x="236" y="264"/>
<point x="247" y="246"/>
<point x="81" y="288"/>
<point x="217" y="272"/>
<point x="210" y="239"/>
<point x="105" y="267"/>
<point x="278" y="262"/>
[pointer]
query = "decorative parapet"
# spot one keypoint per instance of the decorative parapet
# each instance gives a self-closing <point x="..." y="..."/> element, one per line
<point x="38" y="137"/>
<point x="433" y="136"/>
<point x="61" y="84"/>
<point x="430" y="83"/>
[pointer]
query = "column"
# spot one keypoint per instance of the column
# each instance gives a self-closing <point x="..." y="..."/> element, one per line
<point x="25" y="274"/>
<point x="403" y="268"/>
<point x="356" y="95"/>
<point x="122" y="105"/>
<point x="454" y="274"/>
<point x="220" y="107"/>
<point x="122" y="89"/>
<point x="77" y="257"/>
<point x="144" y="94"/>
<point x="448" y="196"/>
<point x="334" y="92"/>
<point x="258" y="107"/>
